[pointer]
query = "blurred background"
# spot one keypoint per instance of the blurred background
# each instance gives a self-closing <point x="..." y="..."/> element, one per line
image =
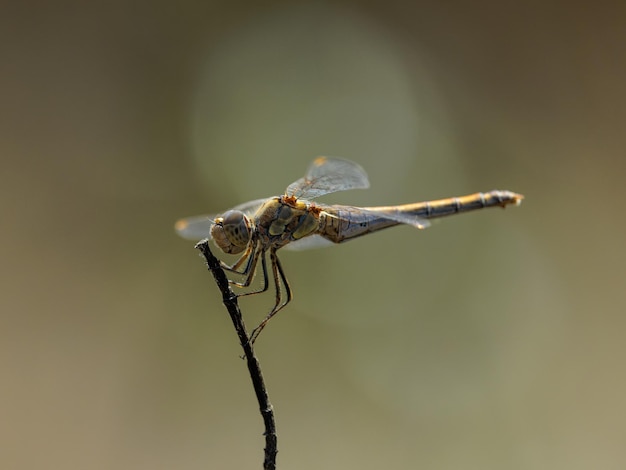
<point x="492" y="340"/>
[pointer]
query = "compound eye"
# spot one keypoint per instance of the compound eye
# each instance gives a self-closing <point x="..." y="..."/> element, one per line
<point x="236" y="227"/>
<point x="232" y="218"/>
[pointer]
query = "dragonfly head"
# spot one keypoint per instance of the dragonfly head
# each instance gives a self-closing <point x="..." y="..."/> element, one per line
<point x="232" y="232"/>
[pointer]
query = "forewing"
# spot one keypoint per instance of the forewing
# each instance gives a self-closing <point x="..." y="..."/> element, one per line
<point x="328" y="175"/>
<point x="250" y="207"/>
<point x="199" y="227"/>
<point x="195" y="228"/>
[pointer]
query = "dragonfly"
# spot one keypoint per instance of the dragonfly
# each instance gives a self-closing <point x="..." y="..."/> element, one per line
<point x="259" y="228"/>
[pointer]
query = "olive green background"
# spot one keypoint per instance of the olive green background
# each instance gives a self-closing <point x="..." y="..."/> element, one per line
<point x="493" y="340"/>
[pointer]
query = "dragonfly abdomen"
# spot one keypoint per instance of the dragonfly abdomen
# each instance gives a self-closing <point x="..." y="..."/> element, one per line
<point x="456" y="205"/>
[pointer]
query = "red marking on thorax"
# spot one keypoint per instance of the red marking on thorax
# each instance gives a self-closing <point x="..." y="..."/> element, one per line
<point x="315" y="210"/>
<point x="289" y="200"/>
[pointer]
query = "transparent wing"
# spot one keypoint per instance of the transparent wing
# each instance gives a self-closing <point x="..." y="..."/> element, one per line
<point x="328" y="175"/>
<point x="307" y="243"/>
<point x="195" y="228"/>
<point x="199" y="227"/>
<point x="367" y="214"/>
<point x="250" y="207"/>
<point x="399" y="216"/>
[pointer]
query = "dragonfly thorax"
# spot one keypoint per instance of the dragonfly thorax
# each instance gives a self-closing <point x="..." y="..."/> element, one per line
<point x="232" y="232"/>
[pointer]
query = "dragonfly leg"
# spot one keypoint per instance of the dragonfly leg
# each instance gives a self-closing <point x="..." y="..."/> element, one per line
<point x="252" y="256"/>
<point x="249" y="270"/>
<point x="248" y="281"/>
<point x="247" y="257"/>
<point x="279" y="278"/>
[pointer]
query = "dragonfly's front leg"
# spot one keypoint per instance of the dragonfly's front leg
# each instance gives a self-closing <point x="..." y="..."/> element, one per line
<point x="251" y="257"/>
<point x="279" y="277"/>
<point x="248" y="280"/>
<point x="249" y="270"/>
<point x="248" y="256"/>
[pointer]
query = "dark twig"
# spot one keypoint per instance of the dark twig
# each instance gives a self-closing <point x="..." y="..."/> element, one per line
<point x="230" y="301"/>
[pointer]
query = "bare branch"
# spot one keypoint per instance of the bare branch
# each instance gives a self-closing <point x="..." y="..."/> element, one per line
<point x="230" y="302"/>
